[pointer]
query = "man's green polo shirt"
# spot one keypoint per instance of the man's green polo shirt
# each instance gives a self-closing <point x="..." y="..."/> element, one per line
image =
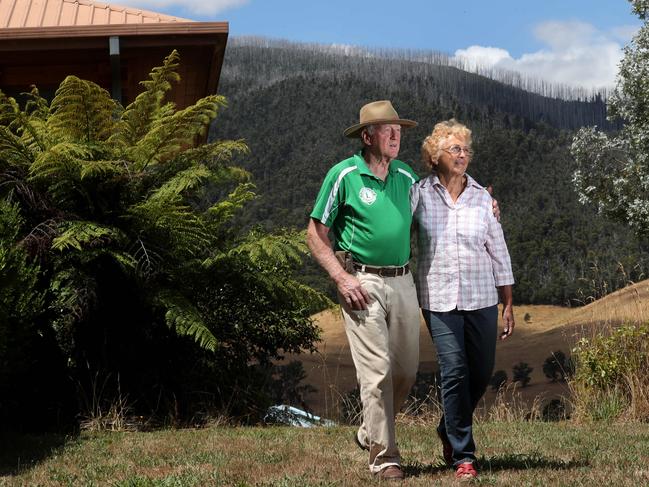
<point x="370" y="218"/>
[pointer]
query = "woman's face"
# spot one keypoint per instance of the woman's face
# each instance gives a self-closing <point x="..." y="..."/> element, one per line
<point x="454" y="157"/>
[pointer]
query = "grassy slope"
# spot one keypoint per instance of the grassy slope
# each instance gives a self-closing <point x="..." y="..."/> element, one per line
<point x="513" y="453"/>
<point x="531" y="453"/>
<point x="551" y="328"/>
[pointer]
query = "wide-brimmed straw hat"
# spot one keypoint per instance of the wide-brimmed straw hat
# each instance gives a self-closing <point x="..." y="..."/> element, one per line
<point x="377" y="112"/>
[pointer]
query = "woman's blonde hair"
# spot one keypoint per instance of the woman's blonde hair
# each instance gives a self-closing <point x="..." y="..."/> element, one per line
<point x="431" y="147"/>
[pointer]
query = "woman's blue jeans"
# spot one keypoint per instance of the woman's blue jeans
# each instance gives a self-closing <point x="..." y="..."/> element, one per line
<point x="466" y="350"/>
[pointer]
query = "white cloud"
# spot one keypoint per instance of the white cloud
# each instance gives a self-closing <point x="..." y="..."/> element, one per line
<point x="198" y="7"/>
<point x="576" y="54"/>
<point x="476" y="56"/>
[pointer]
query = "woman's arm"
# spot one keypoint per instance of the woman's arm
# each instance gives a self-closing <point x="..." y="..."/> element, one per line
<point x="506" y="297"/>
<point x="502" y="270"/>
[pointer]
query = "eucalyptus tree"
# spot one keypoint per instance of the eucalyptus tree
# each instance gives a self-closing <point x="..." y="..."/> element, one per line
<point x="613" y="170"/>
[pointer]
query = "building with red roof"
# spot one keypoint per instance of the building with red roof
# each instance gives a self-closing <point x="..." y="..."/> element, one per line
<point x="43" y="41"/>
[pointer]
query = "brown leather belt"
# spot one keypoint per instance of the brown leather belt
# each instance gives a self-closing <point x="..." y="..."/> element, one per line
<point x="383" y="271"/>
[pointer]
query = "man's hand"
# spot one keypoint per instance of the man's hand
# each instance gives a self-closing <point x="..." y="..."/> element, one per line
<point x="508" y="322"/>
<point x="348" y="286"/>
<point x="351" y="290"/>
<point x="494" y="202"/>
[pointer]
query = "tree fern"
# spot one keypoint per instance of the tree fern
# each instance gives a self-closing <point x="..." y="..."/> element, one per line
<point x="222" y="212"/>
<point x="13" y="152"/>
<point x="29" y="125"/>
<point x="36" y="107"/>
<point x="282" y="249"/>
<point x="136" y="120"/>
<point x="131" y="224"/>
<point x="171" y="219"/>
<point x="79" y="234"/>
<point x="81" y="111"/>
<point x="64" y="160"/>
<point x="169" y="134"/>
<point x="184" y="318"/>
<point x="190" y="178"/>
<point x="220" y="152"/>
<point x="101" y="169"/>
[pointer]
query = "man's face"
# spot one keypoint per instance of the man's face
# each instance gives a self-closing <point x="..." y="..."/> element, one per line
<point x="385" y="141"/>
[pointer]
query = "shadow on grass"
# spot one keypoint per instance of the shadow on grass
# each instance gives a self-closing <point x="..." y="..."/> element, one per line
<point x="499" y="463"/>
<point x="20" y="452"/>
<point x="417" y="469"/>
<point x="514" y="461"/>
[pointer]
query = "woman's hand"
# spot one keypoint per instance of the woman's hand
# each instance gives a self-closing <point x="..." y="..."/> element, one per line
<point x="508" y="311"/>
<point x="494" y="202"/>
<point x="508" y="322"/>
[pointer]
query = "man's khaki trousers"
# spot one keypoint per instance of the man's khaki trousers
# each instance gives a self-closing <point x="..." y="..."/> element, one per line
<point x="384" y="341"/>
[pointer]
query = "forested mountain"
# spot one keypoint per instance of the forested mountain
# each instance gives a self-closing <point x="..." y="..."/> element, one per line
<point x="291" y="103"/>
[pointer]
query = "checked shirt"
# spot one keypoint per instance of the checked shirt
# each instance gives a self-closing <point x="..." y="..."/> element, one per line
<point x="462" y="254"/>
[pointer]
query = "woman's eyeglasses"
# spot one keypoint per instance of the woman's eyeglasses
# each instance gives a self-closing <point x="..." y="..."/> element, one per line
<point x="456" y="150"/>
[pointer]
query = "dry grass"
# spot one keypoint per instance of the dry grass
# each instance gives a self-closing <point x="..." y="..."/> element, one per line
<point x="548" y="329"/>
<point x="517" y="453"/>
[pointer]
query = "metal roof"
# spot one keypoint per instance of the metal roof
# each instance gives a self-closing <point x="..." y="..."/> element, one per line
<point x="51" y="13"/>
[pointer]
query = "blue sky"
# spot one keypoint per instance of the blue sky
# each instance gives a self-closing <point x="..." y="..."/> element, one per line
<point x="575" y="42"/>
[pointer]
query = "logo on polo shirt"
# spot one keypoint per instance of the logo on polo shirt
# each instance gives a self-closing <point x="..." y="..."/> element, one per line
<point x="367" y="195"/>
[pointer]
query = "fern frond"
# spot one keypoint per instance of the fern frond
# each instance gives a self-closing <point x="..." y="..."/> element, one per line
<point x="214" y="155"/>
<point x="173" y="222"/>
<point x="170" y="134"/>
<point x="314" y="298"/>
<point x="101" y="169"/>
<point x="64" y="160"/>
<point x="148" y="260"/>
<point x="8" y="108"/>
<point x="36" y="106"/>
<point x="273" y="250"/>
<point x="223" y="151"/>
<point x="78" y="234"/>
<point x="188" y="179"/>
<point x="224" y="210"/>
<point x="216" y="259"/>
<point x="34" y="133"/>
<point x="29" y="126"/>
<point x="182" y="317"/>
<point x="137" y="118"/>
<point x="289" y="290"/>
<point x="13" y="152"/>
<point x="81" y="111"/>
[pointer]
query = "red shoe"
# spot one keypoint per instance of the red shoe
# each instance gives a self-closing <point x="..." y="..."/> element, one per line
<point x="447" y="449"/>
<point x="465" y="471"/>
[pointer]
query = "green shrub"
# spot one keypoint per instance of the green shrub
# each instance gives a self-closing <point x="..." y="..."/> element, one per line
<point x="521" y="372"/>
<point x="32" y="378"/>
<point x="603" y="361"/>
<point x="558" y="367"/>
<point x="149" y="285"/>
<point x="498" y="380"/>
<point x="611" y="374"/>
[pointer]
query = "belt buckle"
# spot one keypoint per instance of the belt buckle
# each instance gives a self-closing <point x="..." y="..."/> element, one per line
<point x="380" y="271"/>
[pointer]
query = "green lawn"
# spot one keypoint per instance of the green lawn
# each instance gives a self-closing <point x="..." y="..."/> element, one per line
<point x="518" y="454"/>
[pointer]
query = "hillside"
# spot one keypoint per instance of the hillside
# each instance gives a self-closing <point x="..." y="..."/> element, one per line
<point x="548" y="329"/>
<point x="291" y="103"/>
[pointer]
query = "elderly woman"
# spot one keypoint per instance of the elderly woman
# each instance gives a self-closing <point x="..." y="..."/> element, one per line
<point x="463" y="264"/>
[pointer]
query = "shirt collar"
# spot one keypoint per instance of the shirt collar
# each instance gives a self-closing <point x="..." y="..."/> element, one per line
<point x="433" y="180"/>
<point x="363" y="169"/>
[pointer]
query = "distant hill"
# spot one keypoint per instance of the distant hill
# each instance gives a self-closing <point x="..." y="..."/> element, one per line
<point x="291" y="102"/>
<point x="548" y="329"/>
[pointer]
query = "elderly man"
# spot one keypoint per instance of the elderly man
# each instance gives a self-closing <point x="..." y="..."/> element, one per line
<point x="365" y="201"/>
